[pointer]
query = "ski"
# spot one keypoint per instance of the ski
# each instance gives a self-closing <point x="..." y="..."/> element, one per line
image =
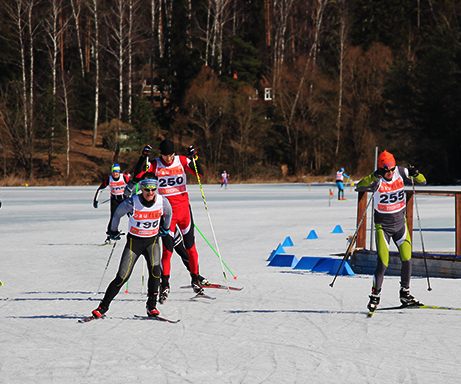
<point x="159" y="318"/>
<point x="419" y="307"/>
<point x="215" y="286"/>
<point x="202" y="296"/>
<point x="90" y="318"/>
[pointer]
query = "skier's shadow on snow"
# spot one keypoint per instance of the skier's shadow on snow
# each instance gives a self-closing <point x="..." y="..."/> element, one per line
<point x="73" y="317"/>
<point x="321" y="311"/>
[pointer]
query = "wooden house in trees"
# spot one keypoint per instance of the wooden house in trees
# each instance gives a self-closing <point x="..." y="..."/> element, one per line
<point x="155" y="91"/>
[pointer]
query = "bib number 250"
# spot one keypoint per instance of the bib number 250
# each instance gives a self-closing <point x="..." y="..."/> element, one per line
<point x="171" y="181"/>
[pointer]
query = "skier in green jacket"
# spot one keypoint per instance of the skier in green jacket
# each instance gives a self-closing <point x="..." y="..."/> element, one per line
<point x="387" y="184"/>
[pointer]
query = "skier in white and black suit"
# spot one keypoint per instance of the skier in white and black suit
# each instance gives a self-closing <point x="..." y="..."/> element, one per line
<point x="149" y="217"/>
<point x="117" y="182"/>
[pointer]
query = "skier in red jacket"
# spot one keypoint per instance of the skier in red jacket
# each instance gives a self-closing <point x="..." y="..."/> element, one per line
<point x="171" y="172"/>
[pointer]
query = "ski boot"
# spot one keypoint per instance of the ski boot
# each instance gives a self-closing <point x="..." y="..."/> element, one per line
<point x="151" y="306"/>
<point x="164" y="291"/>
<point x="107" y="241"/>
<point x="196" y="285"/>
<point x="407" y="299"/>
<point x="374" y="300"/>
<point x="100" y="311"/>
<point x="203" y="281"/>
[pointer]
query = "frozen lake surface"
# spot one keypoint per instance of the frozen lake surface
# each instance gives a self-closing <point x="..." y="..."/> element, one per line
<point x="285" y="326"/>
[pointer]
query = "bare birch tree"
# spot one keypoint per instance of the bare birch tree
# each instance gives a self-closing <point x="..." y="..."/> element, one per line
<point x="22" y="18"/>
<point x="342" y="43"/>
<point x="281" y="10"/>
<point x="76" y="11"/>
<point x="94" y="8"/>
<point x="66" y="111"/>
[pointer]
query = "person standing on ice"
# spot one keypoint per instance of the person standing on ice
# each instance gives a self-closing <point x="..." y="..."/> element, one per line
<point x="224" y="177"/>
<point x="340" y="175"/>
<point x="117" y="182"/>
<point x="171" y="172"/>
<point x="149" y="217"/>
<point x="387" y="182"/>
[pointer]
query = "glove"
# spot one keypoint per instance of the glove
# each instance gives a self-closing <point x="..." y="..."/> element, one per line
<point x="146" y="150"/>
<point x="380" y="172"/>
<point x="95" y="204"/>
<point x="115" y="235"/>
<point x="192" y="152"/>
<point x="127" y="191"/>
<point x="163" y="232"/>
<point x="412" y="171"/>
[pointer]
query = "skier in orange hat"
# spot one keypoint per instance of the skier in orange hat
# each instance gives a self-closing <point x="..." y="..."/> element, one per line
<point x="387" y="184"/>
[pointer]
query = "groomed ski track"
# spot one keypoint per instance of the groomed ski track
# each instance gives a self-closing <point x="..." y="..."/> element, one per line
<point x="285" y="326"/>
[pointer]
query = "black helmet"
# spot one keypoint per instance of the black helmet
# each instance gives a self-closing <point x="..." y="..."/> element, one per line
<point x="167" y="147"/>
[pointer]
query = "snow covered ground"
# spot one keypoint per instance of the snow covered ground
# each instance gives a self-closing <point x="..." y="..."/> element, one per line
<point x="285" y="326"/>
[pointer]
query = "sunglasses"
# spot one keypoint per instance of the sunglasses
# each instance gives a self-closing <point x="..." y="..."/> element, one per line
<point x="149" y="189"/>
<point x="390" y="169"/>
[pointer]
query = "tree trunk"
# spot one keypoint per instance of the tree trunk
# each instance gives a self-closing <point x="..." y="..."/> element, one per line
<point x="130" y="60"/>
<point x="121" y="14"/>
<point x="76" y="13"/>
<point x="342" y="39"/>
<point x="31" y="93"/>
<point x="96" y="81"/>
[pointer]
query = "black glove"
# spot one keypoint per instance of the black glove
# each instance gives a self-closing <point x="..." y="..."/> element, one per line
<point x="128" y="190"/>
<point x="192" y="152"/>
<point x="163" y="232"/>
<point x="146" y="150"/>
<point x="95" y="204"/>
<point x="115" y="235"/>
<point x="380" y="172"/>
<point x="412" y="171"/>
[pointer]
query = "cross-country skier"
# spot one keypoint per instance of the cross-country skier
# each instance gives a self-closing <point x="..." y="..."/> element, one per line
<point x="149" y="217"/>
<point x="340" y="175"/>
<point x="171" y="172"/>
<point x="390" y="222"/>
<point x="117" y="182"/>
<point x="224" y="177"/>
<point x="177" y="240"/>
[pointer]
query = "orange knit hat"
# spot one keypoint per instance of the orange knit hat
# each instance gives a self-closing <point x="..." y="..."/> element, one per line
<point x="386" y="160"/>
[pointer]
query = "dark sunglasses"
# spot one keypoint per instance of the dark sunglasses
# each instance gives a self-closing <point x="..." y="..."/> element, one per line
<point x="390" y="169"/>
<point x="149" y="190"/>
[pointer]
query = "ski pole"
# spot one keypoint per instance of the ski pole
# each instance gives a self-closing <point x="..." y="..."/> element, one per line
<point x="421" y="233"/>
<point x="211" y="225"/>
<point x="105" y="269"/>
<point x="105" y="201"/>
<point x="214" y="250"/>
<point x="351" y="244"/>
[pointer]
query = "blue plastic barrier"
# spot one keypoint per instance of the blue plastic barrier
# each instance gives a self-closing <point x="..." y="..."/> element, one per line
<point x="287" y="242"/>
<point x="282" y="260"/>
<point x="307" y="263"/>
<point x="346" y="269"/>
<point x="276" y="251"/>
<point x="338" y="229"/>
<point x="323" y="265"/>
